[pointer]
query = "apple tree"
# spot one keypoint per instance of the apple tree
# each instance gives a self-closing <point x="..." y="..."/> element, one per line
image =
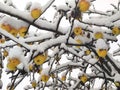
<point x="69" y="52"/>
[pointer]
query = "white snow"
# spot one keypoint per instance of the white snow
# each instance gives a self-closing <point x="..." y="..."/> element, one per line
<point x="101" y="44"/>
<point x="35" y="5"/>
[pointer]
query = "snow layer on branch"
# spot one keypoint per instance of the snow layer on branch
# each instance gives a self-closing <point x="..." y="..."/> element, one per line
<point x="38" y="38"/>
<point x="14" y="39"/>
<point x="45" y="45"/>
<point x="45" y="23"/>
<point x="104" y="21"/>
<point x="15" y="12"/>
<point x="47" y="4"/>
<point x="117" y="77"/>
<point x="14" y="22"/>
<point x="62" y="7"/>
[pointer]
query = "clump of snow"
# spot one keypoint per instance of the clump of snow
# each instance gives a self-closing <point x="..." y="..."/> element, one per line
<point x="63" y="73"/>
<point x="45" y="71"/>
<point x="8" y="2"/>
<point x="101" y="44"/>
<point x="16" y="51"/>
<point x="20" y="66"/>
<point x="35" y="5"/>
<point x="117" y="77"/>
<point x="28" y="5"/>
<point x="93" y="61"/>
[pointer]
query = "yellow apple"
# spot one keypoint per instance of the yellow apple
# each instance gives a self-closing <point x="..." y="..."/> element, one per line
<point x="14" y="32"/>
<point x="63" y="78"/>
<point x="5" y="53"/>
<point x="102" y="52"/>
<point x="12" y="64"/>
<point x="35" y="13"/>
<point x="87" y="52"/>
<point x="40" y="59"/>
<point x="77" y="31"/>
<point x="79" y="42"/>
<point x="83" y="5"/>
<point x="2" y="40"/>
<point x="115" y="30"/>
<point x="117" y="84"/>
<point x="98" y="35"/>
<point x="45" y="78"/>
<point x="6" y="27"/>
<point x="83" y="78"/>
<point x="52" y="75"/>
<point x="33" y="83"/>
<point x="31" y="67"/>
<point x="22" y="31"/>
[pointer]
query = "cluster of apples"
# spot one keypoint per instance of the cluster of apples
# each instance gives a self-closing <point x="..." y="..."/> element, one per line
<point x="39" y="61"/>
<point x="44" y="78"/>
<point x="12" y="30"/>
